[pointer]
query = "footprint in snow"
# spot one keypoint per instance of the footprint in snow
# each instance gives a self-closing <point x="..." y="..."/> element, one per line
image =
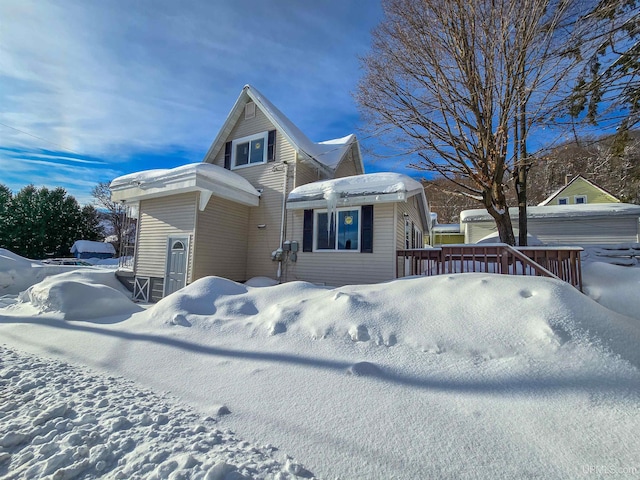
<point x="364" y="369"/>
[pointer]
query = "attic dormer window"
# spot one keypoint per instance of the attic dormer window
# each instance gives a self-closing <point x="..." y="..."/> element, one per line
<point x="249" y="110"/>
<point x="251" y="150"/>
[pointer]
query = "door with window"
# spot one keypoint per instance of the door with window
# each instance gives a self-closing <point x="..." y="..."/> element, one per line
<point x="177" y="256"/>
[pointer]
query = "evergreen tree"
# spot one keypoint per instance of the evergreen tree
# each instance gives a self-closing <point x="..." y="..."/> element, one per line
<point x="6" y="223"/>
<point x="39" y="223"/>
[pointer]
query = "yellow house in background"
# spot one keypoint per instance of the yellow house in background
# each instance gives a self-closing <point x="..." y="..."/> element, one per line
<point x="579" y="191"/>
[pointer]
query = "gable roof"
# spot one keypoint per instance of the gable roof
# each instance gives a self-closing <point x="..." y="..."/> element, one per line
<point x="326" y="155"/>
<point x="568" y="212"/>
<point x="558" y="192"/>
<point x="88" y="246"/>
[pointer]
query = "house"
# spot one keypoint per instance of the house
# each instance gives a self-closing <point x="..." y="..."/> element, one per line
<point x="267" y="201"/>
<point x="579" y="191"/>
<point x="89" y="249"/>
<point x="581" y="224"/>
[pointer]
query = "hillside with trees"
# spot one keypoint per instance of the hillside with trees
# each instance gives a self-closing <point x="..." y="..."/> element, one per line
<point x="609" y="161"/>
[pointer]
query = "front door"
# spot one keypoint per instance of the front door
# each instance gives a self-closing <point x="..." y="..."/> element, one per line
<point x="177" y="255"/>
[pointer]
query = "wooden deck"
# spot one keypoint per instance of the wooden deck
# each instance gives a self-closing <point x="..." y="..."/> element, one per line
<point x="562" y="263"/>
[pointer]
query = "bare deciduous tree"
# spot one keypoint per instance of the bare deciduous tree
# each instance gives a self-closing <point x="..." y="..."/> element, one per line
<point x="111" y="211"/>
<point x="450" y="79"/>
<point x="608" y="87"/>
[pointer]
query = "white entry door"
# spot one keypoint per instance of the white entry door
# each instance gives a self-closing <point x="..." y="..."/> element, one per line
<point x="177" y="255"/>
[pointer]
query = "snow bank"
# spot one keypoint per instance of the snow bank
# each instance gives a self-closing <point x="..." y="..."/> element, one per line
<point x="532" y="240"/>
<point x="458" y="376"/>
<point x="531" y="318"/>
<point x="261" y="282"/>
<point x="18" y="273"/>
<point x="68" y="293"/>
<point x="62" y="422"/>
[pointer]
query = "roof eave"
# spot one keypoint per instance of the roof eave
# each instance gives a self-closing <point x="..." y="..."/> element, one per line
<point x="183" y="184"/>
<point x="351" y="201"/>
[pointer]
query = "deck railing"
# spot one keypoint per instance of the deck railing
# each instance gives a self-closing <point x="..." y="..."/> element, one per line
<point x="555" y="262"/>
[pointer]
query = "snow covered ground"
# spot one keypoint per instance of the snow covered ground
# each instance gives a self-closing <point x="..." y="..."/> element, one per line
<point x="458" y="376"/>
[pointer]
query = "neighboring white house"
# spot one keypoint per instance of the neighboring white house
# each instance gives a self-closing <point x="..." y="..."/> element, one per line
<point x="581" y="224"/>
<point x="241" y="214"/>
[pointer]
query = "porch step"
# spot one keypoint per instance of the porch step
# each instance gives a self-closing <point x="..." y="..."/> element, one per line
<point x="126" y="278"/>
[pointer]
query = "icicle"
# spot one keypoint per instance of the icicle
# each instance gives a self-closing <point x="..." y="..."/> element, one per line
<point x="331" y="196"/>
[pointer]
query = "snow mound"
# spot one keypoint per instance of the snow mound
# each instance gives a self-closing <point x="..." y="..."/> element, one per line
<point x="532" y="240"/>
<point x="18" y="273"/>
<point x="62" y="422"/>
<point x="261" y="282"/>
<point x="80" y="295"/>
<point x="530" y="317"/>
<point x="613" y="286"/>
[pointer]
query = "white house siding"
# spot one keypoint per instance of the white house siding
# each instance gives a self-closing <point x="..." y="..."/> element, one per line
<point x="409" y="207"/>
<point x="221" y="240"/>
<point x="476" y="231"/>
<point x="306" y="173"/>
<point x="268" y="177"/>
<point x="585" y="231"/>
<point x="567" y="231"/>
<point x="344" y="268"/>
<point x="161" y="218"/>
<point x="347" y="167"/>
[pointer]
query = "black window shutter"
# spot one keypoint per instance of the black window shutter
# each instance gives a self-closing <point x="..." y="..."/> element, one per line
<point x="366" y="233"/>
<point x="307" y="231"/>
<point x="271" y="146"/>
<point x="227" y="155"/>
<point x="413" y="235"/>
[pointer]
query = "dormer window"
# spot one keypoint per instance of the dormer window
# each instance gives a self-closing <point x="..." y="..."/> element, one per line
<point x="251" y="150"/>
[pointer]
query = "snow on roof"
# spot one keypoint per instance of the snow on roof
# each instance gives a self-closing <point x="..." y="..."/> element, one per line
<point x="87" y="246"/>
<point x="328" y="152"/>
<point x="382" y="187"/>
<point x="558" y="211"/>
<point x="370" y="184"/>
<point x="446" y="228"/>
<point x="207" y="170"/>
<point x="191" y="177"/>
<point x="550" y="198"/>
<point x="326" y="155"/>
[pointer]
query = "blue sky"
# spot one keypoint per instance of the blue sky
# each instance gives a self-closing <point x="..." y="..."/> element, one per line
<point x="91" y="90"/>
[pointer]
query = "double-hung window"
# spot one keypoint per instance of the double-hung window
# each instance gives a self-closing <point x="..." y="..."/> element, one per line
<point x="249" y="150"/>
<point x="337" y="230"/>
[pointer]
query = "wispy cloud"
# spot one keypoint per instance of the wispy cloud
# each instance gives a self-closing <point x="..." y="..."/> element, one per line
<point x="147" y="84"/>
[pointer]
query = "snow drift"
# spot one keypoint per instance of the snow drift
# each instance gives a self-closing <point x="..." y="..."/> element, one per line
<point x="67" y="293"/>
<point x="459" y="376"/>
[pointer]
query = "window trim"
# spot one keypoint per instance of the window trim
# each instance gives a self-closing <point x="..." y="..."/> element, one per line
<point x="336" y="249"/>
<point x="248" y="139"/>
<point x="566" y="199"/>
<point x="576" y="197"/>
